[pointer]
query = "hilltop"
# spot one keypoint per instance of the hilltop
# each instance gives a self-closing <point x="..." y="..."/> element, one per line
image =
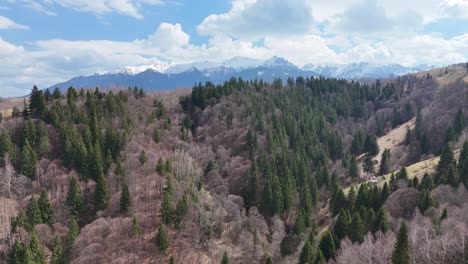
<point x="250" y="169"/>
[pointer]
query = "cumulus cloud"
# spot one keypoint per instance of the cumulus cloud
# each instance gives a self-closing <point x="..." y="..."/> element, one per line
<point x="6" y="23"/>
<point x="168" y="36"/>
<point x="259" y="18"/>
<point x="455" y="8"/>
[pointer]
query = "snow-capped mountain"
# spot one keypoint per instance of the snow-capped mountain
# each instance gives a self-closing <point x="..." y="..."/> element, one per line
<point x="161" y="75"/>
<point x="363" y="70"/>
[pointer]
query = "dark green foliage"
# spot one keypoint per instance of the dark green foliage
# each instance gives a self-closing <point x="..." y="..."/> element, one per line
<point x="385" y="162"/>
<point x="73" y="231"/>
<point x="28" y="161"/>
<point x="393" y="183"/>
<point x="125" y="199"/>
<point x="327" y="245"/>
<point x="353" y="168"/>
<point x="16" y="254"/>
<point x="160" y="166"/>
<point x="45" y="208"/>
<point x="425" y="200"/>
<point x="95" y="162"/>
<point x="143" y="158"/>
<point x="450" y="135"/>
<point x="446" y="159"/>
<point x="37" y="102"/>
<point x="401" y="251"/>
<point x="307" y="254"/>
<point x="162" y="240"/>
<point x="357" y="228"/>
<point x="6" y="146"/>
<point x="319" y="258"/>
<point x="180" y="211"/>
<point x="368" y="165"/>
<point x="403" y="174"/>
<point x="156" y="135"/>
<point x="370" y="145"/>
<point x="35" y="249"/>
<point x="337" y="202"/>
<point x="426" y="183"/>
<point x="209" y="167"/>
<point x="33" y="213"/>
<point x="299" y="225"/>
<point x="249" y="192"/>
<point x="166" y="208"/>
<point x="357" y="146"/>
<point x="342" y="225"/>
<point x="459" y="123"/>
<point x="171" y="260"/>
<point x="444" y="215"/>
<point x="463" y="164"/>
<point x="381" y="222"/>
<point x="74" y="199"/>
<point x="101" y="194"/>
<point x="168" y="167"/>
<point x="269" y="260"/>
<point x="225" y="259"/>
<point x="57" y="256"/>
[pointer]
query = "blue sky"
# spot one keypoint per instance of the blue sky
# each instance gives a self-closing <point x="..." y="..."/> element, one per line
<point x="48" y="41"/>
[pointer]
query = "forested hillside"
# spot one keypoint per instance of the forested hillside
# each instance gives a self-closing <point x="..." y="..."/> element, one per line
<point x="243" y="172"/>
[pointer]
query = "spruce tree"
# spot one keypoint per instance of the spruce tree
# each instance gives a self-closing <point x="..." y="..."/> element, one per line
<point x="101" y="194"/>
<point x="459" y="123"/>
<point x="385" y="162"/>
<point x="307" y="253"/>
<point x="338" y="202"/>
<point x="426" y="183"/>
<point x="368" y="165"/>
<point x="171" y="260"/>
<point x="168" y="166"/>
<point x="28" y="161"/>
<point x="401" y="250"/>
<point x="36" y="251"/>
<point x="74" y="199"/>
<point x="381" y="223"/>
<point x="16" y="253"/>
<point x="357" y="228"/>
<point x="136" y="227"/>
<point x="143" y="158"/>
<point x="327" y="246"/>
<point x="425" y="200"/>
<point x="269" y="260"/>
<point x="125" y="199"/>
<point x="319" y="259"/>
<point x="452" y="178"/>
<point x="225" y="259"/>
<point x="446" y="159"/>
<point x="342" y="224"/>
<point x="166" y="208"/>
<point x="6" y="147"/>
<point x="33" y="213"/>
<point x="73" y="231"/>
<point x="46" y="208"/>
<point x="370" y="146"/>
<point x="162" y="240"/>
<point x="57" y="256"/>
<point x="353" y="168"/>
<point x="160" y="166"/>
<point x="180" y="211"/>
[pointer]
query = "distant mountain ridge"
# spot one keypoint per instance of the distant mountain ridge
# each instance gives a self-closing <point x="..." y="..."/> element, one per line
<point x="165" y="76"/>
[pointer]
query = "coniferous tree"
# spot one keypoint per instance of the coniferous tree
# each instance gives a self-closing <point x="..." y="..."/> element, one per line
<point x="143" y="158"/>
<point x="446" y="159"/>
<point x="171" y="260"/>
<point x="368" y="165"/>
<point x="338" y="202"/>
<point x="403" y="174"/>
<point x="401" y="251"/>
<point x="160" y="166"/>
<point x="16" y="254"/>
<point x="459" y="123"/>
<point x="180" y="211"/>
<point x="225" y="259"/>
<point x="299" y="225"/>
<point x="452" y="178"/>
<point x="426" y="183"/>
<point x="385" y="162"/>
<point x="28" y="161"/>
<point x="342" y="224"/>
<point x="425" y="200"/>
<point x="370" y="146"/>
<point x="269" y="260"/>
<point x="356" y="233"/>
<point x="162" y="241"/>
<point x="125" y="199"/>
<point x="444" y="215"/>
<point x="319" y="258"/>
<point x="45" y="208"/>
<point x="327" y="246"/>
<point x="393" y="183"/>
<point x="168" y="166"/>
<point x="6" y="147"/>
<point x="101" y="194"/>
<point x="36" y="251"/>
<point x="381" y="222"/>
<point x="463" y="164"/>
<point x="73" y="231"/>
<point x="95" y="162"/>
<point x="74" y="199"/>
<point x="33" y="213"/>
<point x="353" y="168"/>
<point x="307" y="253"/>
<point x="57" y="256"/>
<point x="136" y="227"/>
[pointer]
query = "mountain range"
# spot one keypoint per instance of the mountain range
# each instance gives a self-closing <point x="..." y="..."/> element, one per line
<point x="164" y="76"/>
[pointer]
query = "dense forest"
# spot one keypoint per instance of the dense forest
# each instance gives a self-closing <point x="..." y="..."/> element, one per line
<point x="239" y="172"/>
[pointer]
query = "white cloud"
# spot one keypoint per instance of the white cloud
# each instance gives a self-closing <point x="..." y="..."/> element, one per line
<point x="168" y="36"/>
<point x="98" y="7"/>
<point x="455" y="8"/>
<point x="254" y="19"/>
<point x="6" y="23"/>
